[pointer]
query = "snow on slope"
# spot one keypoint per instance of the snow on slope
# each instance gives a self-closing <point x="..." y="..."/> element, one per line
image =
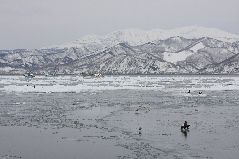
<point x="138" y="37"/>
<point x="175" y="57"/>
<point x="197" y="47"/>
<point x="199" y="32"/>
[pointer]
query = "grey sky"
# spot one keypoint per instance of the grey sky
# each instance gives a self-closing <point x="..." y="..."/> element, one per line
<point x="38" y="23"/>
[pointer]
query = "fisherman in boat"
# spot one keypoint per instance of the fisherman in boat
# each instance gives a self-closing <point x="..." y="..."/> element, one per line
<point x="185" y="125"/>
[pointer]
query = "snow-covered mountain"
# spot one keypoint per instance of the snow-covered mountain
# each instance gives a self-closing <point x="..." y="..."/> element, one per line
<point x="183" y="50"/>
<point x="138" y="37"/>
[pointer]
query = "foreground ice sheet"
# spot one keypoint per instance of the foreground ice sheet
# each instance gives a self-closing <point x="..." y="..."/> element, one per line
<point x="72" y="117"/>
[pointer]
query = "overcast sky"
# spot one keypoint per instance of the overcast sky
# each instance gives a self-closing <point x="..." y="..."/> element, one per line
<point x="39" y="23"/>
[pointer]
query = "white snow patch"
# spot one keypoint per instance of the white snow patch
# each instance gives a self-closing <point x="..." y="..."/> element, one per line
<point x="6" y="69"/>
<point x="175" y="57"/>
<point x="197" y="47"/>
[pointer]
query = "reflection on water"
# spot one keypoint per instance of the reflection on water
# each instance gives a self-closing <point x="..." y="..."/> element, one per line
<point x="185" y="132"/>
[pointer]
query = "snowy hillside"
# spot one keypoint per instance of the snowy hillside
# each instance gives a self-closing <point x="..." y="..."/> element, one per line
<point x="184" y="50"/>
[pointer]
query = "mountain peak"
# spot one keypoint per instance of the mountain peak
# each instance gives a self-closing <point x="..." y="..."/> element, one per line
<point x="138" y="36"/>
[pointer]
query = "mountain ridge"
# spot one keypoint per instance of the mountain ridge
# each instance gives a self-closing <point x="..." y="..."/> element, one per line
<point x="194" y="50"/>
<point x="143" y="36"/>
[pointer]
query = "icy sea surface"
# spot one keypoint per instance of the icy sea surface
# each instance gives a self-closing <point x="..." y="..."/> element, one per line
<point x="99" y="118"/>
